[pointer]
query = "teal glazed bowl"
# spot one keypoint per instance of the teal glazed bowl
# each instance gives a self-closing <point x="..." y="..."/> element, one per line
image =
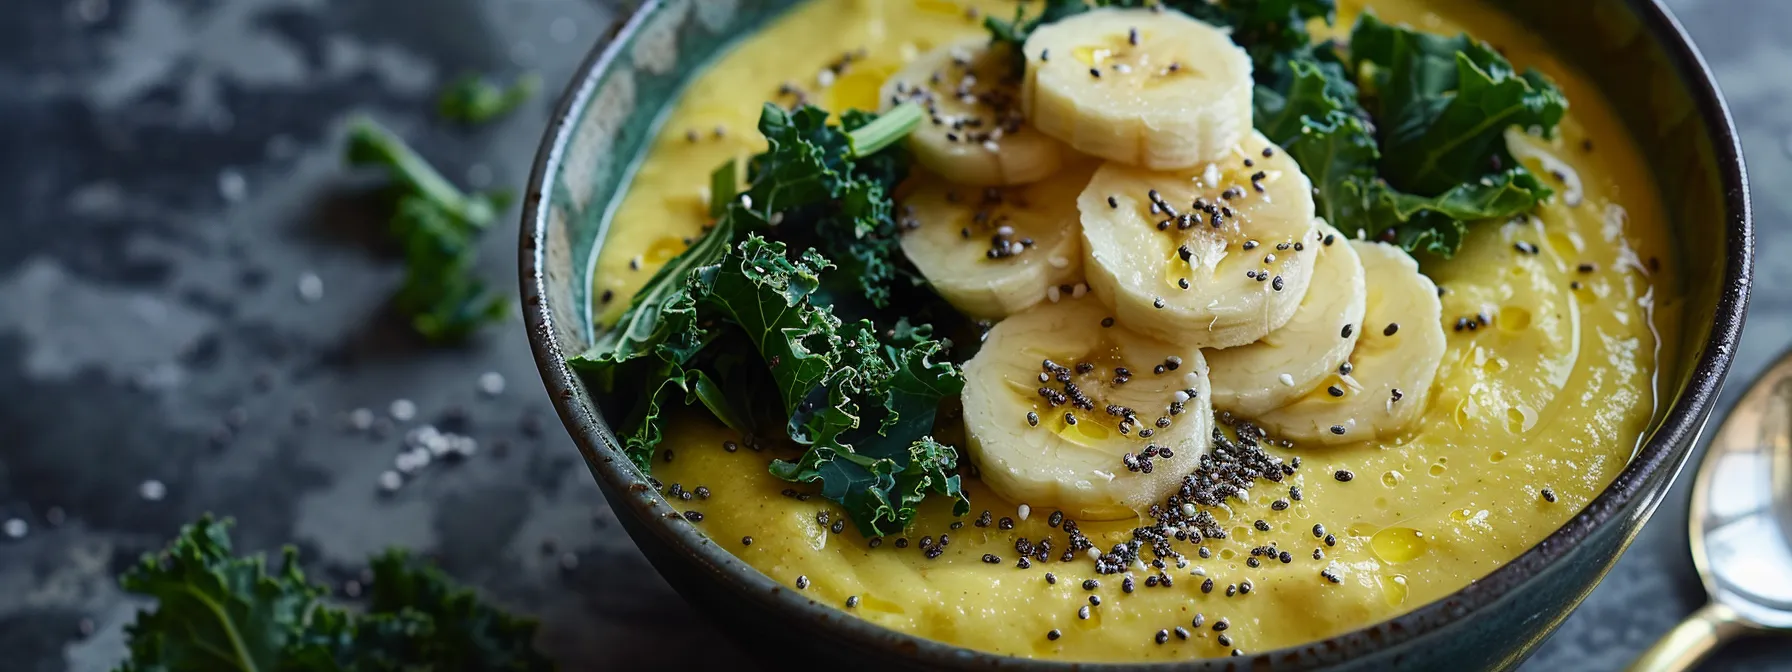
<point x="1634" y="49"/>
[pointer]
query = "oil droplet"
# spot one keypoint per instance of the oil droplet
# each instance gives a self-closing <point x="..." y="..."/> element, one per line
<point x="859" y="87"/>
<point x="1495" y="365"/>
<point x="1393" y="478"/>
<point x="1497" y="456"/>
<point x="1393" y="588"/>
<point x="1462" y="515"/>
<point x="1566" y="244"/>
<point x="1520" y="419"/>
<point x="1513" y="319"/>
<point x="1086" y="432"/>
<point x="1436" y="470"/>
<point x="939" y="7"/>
<point x="663" y="249"/>
<point x="1240" y="531"/>
<point x="1360" y="529"/>
<point x="1091" y="55"/>
<point x="1395" y="545"/>
<point x="1464" y="414"/>
<point x="1381" y="502"/>
<point x="1228" y="554"/>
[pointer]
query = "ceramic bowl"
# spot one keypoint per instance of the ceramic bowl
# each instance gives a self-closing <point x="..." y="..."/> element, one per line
<point x="1634" y="49"/>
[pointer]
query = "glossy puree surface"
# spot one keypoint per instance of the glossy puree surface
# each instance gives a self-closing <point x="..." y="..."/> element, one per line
<point x="1554" y="394"/>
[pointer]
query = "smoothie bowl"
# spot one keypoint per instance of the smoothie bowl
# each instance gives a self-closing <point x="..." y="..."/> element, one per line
<point x="1252" y="334"/>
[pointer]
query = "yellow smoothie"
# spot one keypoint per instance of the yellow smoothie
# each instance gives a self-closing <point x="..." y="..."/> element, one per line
<point x="1531" y="416"/>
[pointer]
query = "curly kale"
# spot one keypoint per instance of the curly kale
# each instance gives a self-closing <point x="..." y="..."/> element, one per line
<point x="217" y="611"/>
<point x="740" y="323"/>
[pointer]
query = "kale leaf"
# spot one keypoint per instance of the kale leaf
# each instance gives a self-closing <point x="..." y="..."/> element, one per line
<point x="1443" y="105"/>
<point x="472" y="99"/>
<point x="436" y="225"/>
<point x="828" y="187"/>
<point x="741" y="324"/>
<point x="219" y="611"/>
<point x="1442" y="165"/>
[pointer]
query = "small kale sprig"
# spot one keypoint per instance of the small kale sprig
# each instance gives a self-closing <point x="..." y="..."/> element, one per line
<point x="473" y="99"/>
<point x="740" y="323"/>
<point x="219" y="611"/>
<point x="437" y="226"/>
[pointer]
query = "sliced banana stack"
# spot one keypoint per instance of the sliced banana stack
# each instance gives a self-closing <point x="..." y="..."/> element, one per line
<point x="975" y="133"/>
<point x="1384" y="386"/>
<point x="1064" y="409"/>
<point x="1251" y="380"/>
<point x="1214" y="256"/>
<point x="1142" y="87"/>
<point x="994" y="251"/>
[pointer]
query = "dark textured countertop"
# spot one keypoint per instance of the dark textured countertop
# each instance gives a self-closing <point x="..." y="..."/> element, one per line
<point x="170" y="177"/>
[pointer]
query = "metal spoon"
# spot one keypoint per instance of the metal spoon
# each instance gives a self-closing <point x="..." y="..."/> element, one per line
<point x="1740" y="525"/>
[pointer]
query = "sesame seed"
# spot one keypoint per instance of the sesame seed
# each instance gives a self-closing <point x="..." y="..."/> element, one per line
<point x="1095" y="72"/>
<point x="1549" y="495"/>
<point x="1343" y="475"/>
<point x="852" y="601"/>
<point x="1082" y="612"/>
<point x="802" y="582"/>
<point x="1392" y="328"/>
<point x="1339" y="430"/>
<point x="1163" y="636"/>
<point x="1053" y="634"/>
<point x="1033" y="418"/>
<point x="1334" y="390"/>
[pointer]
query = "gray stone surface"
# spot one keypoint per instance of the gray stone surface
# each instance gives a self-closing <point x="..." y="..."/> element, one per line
<point x="169" y="172"/>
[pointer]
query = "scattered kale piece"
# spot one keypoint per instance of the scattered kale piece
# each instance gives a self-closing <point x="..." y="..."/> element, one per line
<point x="219" y="611"/>
<point x="473" y="99"/>
<point x="743" y="324"/>
<point x="436" y="226"/>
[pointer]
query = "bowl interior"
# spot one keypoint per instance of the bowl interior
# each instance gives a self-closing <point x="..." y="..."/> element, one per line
<point x="1633" y="48"/>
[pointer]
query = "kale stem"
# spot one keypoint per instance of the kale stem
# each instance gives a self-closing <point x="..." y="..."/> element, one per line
<point x="371" y="144"/>
<point x="888" y="128"/>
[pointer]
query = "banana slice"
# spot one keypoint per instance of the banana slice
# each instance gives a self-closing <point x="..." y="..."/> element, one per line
<point x="1250" y="380"/>
<point x="1387" y="382"/>
<point x="1216" y="256"/>
<point x="976" y="133"/>
<point x="995" y="251"/>
<point x="1063" y="409"/>
<point x="1142" y="87"/>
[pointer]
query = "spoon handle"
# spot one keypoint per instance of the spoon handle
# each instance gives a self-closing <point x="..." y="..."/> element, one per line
<point x="1691" y="640"/>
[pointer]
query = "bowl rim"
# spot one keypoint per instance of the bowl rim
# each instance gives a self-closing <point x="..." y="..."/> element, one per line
<point x="1667" y="448"/>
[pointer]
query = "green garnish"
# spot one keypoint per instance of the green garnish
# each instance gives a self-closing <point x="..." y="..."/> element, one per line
<point x="1439" y="161"/>
<point x="740" y="323"/>
<point x="436" y="225"/>
<point x="472" y="99"/>
<point x="219" y="611"/>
